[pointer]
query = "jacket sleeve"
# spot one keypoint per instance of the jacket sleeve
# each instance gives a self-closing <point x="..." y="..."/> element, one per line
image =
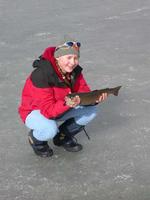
<point x="43" y="95"/>
<point x="81" y="85"/>
<point x="49" y="107"/>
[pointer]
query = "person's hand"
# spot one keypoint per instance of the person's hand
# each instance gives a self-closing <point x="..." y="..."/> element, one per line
<point x="72" y="102"/>
<point x="103" y="97"/>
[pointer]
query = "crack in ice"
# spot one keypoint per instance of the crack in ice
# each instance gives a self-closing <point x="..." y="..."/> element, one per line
<point x="127" y="13"/>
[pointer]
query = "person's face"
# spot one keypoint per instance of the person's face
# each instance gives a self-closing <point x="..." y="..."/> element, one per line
<point x="68" y="62"/>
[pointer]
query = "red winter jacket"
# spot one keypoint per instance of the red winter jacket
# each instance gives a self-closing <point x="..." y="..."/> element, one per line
<point x="45" y="88"/>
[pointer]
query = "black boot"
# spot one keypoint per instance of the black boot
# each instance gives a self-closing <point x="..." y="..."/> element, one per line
<point x="41" y="148"/>
<point x="65" y="137"/>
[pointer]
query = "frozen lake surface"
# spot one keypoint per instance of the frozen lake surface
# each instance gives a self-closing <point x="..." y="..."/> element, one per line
<point x="115" y="163"/>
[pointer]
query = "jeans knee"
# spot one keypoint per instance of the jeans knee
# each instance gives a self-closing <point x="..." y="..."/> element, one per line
<point x="89" y="114"/>
<point x="50" y="132"/>
<point x="46" y="133"/>
<point x="92" y="112"/>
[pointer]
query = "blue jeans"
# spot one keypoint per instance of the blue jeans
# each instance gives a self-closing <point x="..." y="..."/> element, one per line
<point x="45" y="129"/>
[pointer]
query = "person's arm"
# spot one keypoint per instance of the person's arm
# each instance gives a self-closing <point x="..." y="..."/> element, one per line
<point x="81" y="85"/>
<point x="49" y="107"/>
<point x="43" y="94"/>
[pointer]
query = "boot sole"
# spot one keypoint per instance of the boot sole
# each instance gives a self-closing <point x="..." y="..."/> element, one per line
<point x="38" y="153"/>
<point x="77" y="148"/>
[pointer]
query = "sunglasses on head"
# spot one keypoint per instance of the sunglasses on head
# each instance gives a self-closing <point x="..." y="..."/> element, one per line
<point x="69" y="44"/>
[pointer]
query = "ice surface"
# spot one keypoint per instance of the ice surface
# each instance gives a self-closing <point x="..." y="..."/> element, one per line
<point x="115" y="37"/>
